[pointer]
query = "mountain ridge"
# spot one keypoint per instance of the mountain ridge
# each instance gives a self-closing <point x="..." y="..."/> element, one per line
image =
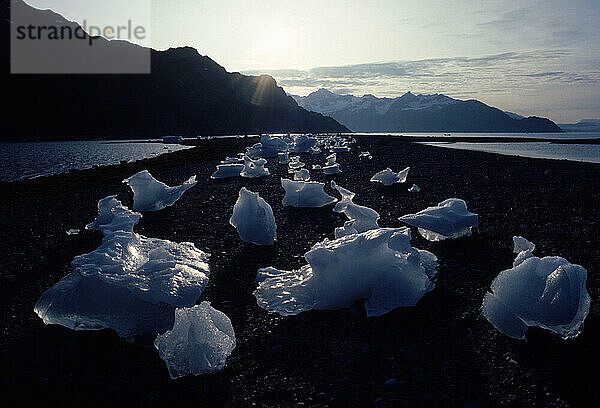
<point x="419" y="113"/>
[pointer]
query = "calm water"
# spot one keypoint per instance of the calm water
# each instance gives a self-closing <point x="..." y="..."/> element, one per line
<point x="28" y="160"/>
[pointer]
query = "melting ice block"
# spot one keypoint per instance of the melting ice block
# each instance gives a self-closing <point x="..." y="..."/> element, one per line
<point x="131" y="283"/>
<point x="254" y="168"/>
<point x="253" y="218"/>
<point x="364" y="218"/>
<point x="227" y="170"/>
<point x="302" y="175"/>
<point x="150" y="194"/>
<point x="449" y="219"/>
<point x="378" y="265"/>
<point x="548" y="292"/>
<point x="387" y="177"/>
<point x="200" y="341"/>
<point x="305" y="194"/>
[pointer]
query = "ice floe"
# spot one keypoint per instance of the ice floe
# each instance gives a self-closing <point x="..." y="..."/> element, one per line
<point x="150" y="194"/>
<point x="253" y="218"/>
<point x="131" y="283"/>
<point x="305" y="194"/>
<point x="364" y="218"/>
<point x="387" y="177"/>
<point x="200" y="341"/>
<point x="227" y="170"/>
<point x="548" y="292"/>
<point x="449" y="219"/>
<point x="378" y="265"/>
<point x="254" y="168"/>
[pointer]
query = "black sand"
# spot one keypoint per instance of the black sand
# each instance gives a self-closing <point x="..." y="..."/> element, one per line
<point x="439" y="353"/>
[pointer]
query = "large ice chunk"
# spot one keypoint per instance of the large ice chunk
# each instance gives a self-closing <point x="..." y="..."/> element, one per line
<point x="268" y="147"/>
<point x="303" y="144"/>
<point x="449" y="219"/>
<point x="254" y="168"/>
<point x="150" y="194"/>
<point x="548" y="292"/>
<point x="227" y="170"/>
<point x="305" y="194"/>
<point x="364" y="218"/>
<point x="378" y="265"/>
<point x="200" y="341"/>
<point x="387" y="177"/>
<point x="253" y="218"/>
<point x="131" y="283"/>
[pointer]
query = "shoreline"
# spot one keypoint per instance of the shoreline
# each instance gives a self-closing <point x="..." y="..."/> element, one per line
<point x="439" y="352"/>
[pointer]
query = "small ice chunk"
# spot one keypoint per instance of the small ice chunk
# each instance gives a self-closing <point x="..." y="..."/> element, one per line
<point x="414" y="189"/>
<point x="387" y="177"/>
<point x="295" y="163"/>
<point x="305" y="194"/>
<point x="200" y="341"/>
<point x="340" y="148"/>
<point x="449" y="219"/>
<point x="378" y="265"/>
<point x="548" y="292"/>
<point x="302" y="175"/>
<point x="227" y="170"/>
<point x="150" y="194"/>
<point x="284" y="157"/>
<point x="131" y="283"/>
<point x="347" y="229"/>
<point x="521" y="244"/>
<point x="233" y="160"/>
<point x="315" y="150"/>
<point x="317" y="167"/>
<point x="330" y="160"/>
<point x="331" y="170"/>
<point x="364" y="218"/>
<point x="365" y="155"/>
<point x="73" y="231"/>
<point x="253" y="218"/>
<point x="254" y="168"/>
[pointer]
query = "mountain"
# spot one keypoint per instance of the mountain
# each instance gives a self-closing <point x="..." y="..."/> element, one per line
<point x="585" y="125"/>
<point x="419" y="113"/>
<point x="185" y="94"/>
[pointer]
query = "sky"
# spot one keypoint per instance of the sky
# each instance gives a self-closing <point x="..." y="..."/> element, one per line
<point x="532" y="57"/>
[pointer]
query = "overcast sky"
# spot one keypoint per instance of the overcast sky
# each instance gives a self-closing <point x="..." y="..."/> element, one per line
<point x="533" y="57"/>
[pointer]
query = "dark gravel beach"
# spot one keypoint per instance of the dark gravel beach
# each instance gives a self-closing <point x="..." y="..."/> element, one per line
<point x="439" y="353"/>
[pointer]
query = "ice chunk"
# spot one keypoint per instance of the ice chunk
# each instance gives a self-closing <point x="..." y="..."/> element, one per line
<point x="295" y="163"/>
<point x="521" y="244"/>
<point x="253" y="218"/>
<point x="378" y="265"/>
<point x="547" y="292"/>
<point x="331" y="170"/>
<point x="131" y="283"/>
<point x="305" y="194"/>
<point x="414" y="189"/>
<point x="150" y="194"/>
<point x="227" y="170"/>
<point x="347" y="229"/>
<point x="284" y="157"/>
<point x="317" y="167"/>
<point x="387" y="177"/>
<point x="268" y="147"/>
<point x="200" y="341"/>
<point x="365" y="155"/>
<point x="302" y="175"/>
<point x="449" y="219"/>
<point x="364" y="218"/>
<point x="330" y="160"/>
<point x="254" y="168"/>
<point x="73" y="231"/>
<point x="303" y="144"/>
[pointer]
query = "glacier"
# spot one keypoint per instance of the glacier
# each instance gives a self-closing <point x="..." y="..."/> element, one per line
<point x="254" y="168"/>
<point x="131" y="284"/>
<point x="449" y="219"/>
<point x="305" y="194"/>
<point x="548" y="292"/>
<point x="378" y="265"/>
<point x="150" y="194"/>
<point x="387" y="177"/>
<point x="253" y="218"/>
<point x="363" y="218"/>
<point x="199" y="342"/>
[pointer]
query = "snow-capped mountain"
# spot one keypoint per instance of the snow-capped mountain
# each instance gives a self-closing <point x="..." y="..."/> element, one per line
<point x="418" y="113"/>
